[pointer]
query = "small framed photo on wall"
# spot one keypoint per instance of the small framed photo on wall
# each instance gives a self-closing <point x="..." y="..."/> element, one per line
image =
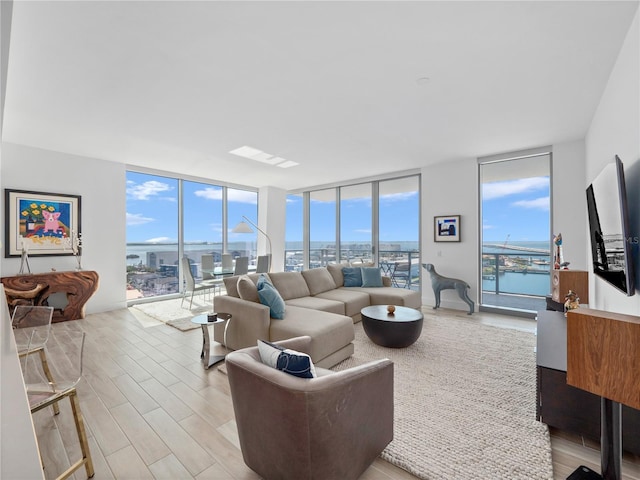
<point x="447" y="228"/>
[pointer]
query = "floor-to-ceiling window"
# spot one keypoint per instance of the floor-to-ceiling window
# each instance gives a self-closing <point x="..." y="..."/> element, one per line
<point x="515" y="236"/>
<point x="152" y="235"/>
<point x="379" y="223"/>
<point x="399" y="230"/>
<point x="355" y="224"/>
<point x="294" y="251"/>
<point x="168" y="218"/>
<point x="202" y="222"/>
<point x="242" y="203"/>
<point x="322" y="227"/>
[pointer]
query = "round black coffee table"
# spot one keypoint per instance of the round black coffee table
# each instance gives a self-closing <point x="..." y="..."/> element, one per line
<point x="397" y="330"/>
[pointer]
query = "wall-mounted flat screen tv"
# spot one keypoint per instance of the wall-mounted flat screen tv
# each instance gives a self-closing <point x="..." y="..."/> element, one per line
<point x="609" y="228"/>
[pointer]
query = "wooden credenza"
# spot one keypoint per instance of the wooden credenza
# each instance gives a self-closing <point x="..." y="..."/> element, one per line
<point x="566" y="407"/>
<point x="76" y="286"/>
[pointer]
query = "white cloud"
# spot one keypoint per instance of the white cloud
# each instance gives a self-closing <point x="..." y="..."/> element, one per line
<point x="146" y="190"/>
<point x="137" y="219"/>
<point x="512" y="187"/>
<point x="158" y="240"/>
<point x="362" y="230"/>
<point x="541" y="203"/>
<point x="241" y="196"/>
<point x="397" y="197"/>
<point x="487" y="227"/>
<point x="209" y="193"/>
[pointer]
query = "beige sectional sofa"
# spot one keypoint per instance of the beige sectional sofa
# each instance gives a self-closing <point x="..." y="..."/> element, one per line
<point x="317" y="304"/>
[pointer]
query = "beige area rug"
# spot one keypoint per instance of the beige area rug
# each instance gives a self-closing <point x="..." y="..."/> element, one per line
<point x="172" y="313"/>
<point x="464" y="402"/>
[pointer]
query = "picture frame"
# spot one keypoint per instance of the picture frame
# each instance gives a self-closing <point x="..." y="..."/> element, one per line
<point x="446" y="228"/>
<point x="41" y="223"/>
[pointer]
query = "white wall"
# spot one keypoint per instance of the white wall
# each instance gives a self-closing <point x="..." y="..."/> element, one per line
<point x="102" y="187"/>
<point x="615" y="129"/>
<point x="569" y="213"/>
<point x="271" y="219"/>
<point x="451" y="188"/>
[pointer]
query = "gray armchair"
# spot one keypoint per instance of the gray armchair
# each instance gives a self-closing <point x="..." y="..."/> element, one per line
<point x="329" y="427"/>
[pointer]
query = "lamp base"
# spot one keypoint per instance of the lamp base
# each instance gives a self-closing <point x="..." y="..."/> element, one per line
<point x="584" y="473"/>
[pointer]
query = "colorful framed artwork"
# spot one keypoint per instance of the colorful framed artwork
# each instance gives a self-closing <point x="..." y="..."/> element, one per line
<point x="41" y="224"/>
<point x="447" y="228"/>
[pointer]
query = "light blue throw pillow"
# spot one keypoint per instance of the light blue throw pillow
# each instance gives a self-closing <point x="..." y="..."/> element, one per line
<point x="270" y="297"/>
<point x="352" y="277"/>
<point x="371" y="277"/>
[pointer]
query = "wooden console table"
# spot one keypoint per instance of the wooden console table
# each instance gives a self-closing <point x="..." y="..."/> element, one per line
<point x="78" y="286"/>
<point x="564" y="406"/>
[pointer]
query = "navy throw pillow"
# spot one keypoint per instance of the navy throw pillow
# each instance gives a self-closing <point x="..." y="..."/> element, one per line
<point x="286" y="360"/>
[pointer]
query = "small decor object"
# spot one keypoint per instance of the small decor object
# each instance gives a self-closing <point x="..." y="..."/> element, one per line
<point x="24" y="260"/>
<point x="41" y="222"/>
<point x="212" y="317"/>
<point x="447" y="228"/>
<point x="558" y="260"/>
<point x="391" y="309"/>
<point x="571" y="302"/>
<point x="74" y="243"/>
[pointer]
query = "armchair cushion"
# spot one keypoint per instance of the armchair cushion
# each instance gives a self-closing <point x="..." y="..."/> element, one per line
<point x="270" y="297"/>
<point x="286" y="360"/>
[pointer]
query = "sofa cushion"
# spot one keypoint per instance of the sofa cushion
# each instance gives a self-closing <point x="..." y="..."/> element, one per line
<point x="391" y="296"/>
<point x="329" y="332"/>
<point x="335" y="269"/>
<point x="231" y="283"/>
<point x="318" y="280"/>
<point x="269" y="296"/>
<point x="286" y="360"/>
<point x="247" y="290"/>
<point x="318" y="303"/>
<point x="353" y="300"/>
<point x="352" y="277"/>
<point x="371" y="277"/>
<point x="290" y="284"/>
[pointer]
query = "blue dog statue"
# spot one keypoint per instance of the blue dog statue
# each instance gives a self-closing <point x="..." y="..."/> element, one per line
<point x="439" y="283"/>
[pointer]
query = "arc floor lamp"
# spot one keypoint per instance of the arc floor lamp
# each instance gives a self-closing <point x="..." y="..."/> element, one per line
<point x="243" y="227"/>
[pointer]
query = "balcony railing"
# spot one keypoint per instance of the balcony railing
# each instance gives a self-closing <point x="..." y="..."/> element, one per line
<point x="403" y="266"/>
<point x="516" y="273"/>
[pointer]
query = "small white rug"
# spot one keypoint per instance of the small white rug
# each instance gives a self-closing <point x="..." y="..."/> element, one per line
<point x="173" y="312"/>
<point x="465" y="398"/>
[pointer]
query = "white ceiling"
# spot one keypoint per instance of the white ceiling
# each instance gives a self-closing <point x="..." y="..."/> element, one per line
<point x="176" y="85"/>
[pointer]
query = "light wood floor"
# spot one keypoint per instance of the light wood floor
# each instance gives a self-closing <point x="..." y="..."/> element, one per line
<point x="152" y="411"/>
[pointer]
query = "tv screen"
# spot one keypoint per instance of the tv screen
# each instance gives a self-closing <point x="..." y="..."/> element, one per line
<point x="609" y="228"/>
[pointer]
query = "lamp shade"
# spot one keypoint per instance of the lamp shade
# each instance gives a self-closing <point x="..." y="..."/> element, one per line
<point x="242" y="227"/>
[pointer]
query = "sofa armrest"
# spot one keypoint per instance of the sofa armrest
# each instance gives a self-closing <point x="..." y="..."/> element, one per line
<point x="250" y="321"/>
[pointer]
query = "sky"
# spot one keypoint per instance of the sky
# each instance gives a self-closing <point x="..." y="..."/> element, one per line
<point x="515" y="209"/>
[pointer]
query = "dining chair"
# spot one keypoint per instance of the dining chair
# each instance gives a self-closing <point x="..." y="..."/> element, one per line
<point x="207" y="266"/>
<point x="263" y="263"/>
<point x="242" y="266"/>
<point x="208" y="275"/>
<point x="42" y="392"/>
<point x="227" y="262"/>
<point x="31" y="325"/>
<point x="190" y="284"/>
